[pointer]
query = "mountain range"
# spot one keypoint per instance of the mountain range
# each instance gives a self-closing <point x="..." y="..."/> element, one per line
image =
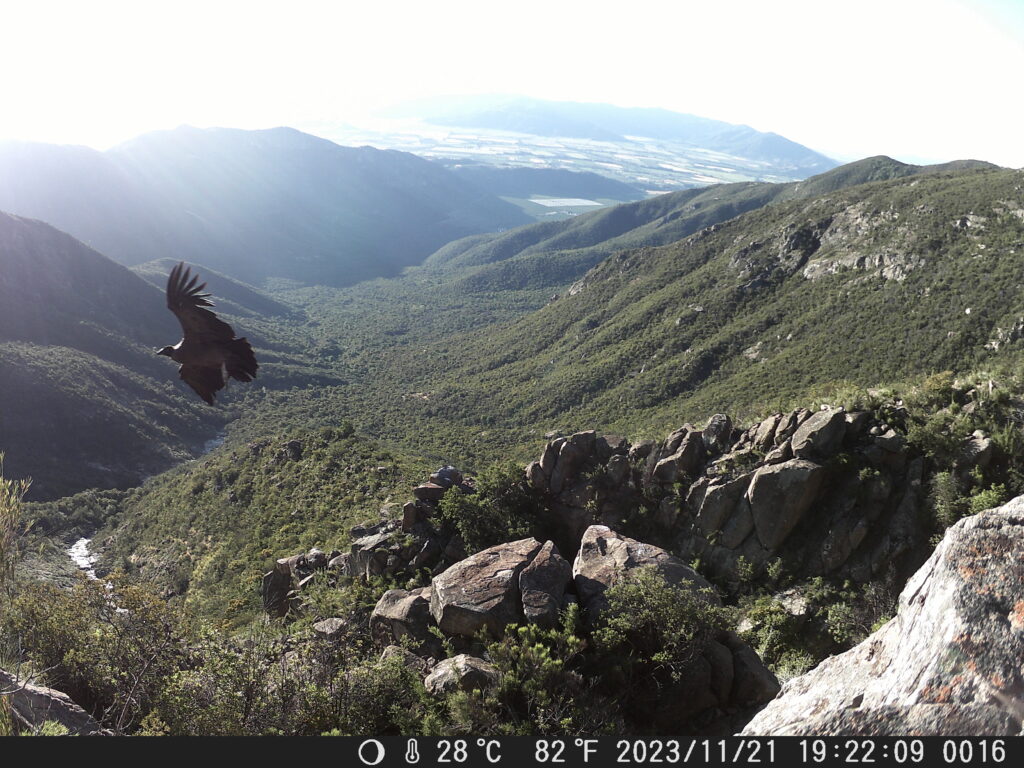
<point x="255" y="204"/>
<point x="848" y="345"/>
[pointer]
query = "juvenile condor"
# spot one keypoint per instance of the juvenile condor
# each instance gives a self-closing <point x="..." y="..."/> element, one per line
<point x="208" y="352"/>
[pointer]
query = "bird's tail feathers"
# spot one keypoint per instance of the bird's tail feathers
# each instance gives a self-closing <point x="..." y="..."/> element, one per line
<point x="240" y="361"/>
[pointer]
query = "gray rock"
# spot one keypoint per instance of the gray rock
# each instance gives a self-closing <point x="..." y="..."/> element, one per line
<point x="738" y="526"/>
<point x="977" y="452"/>
<point x="780" y="453"/>
<point x="605" y="556"/>
<point x="399" y="614"/>
<point x="948" y="664"/>
<point x="764" y="435"/>
<point x="820" y="436"/>
<point x="779" y="495"/>
<point x="641" y="450"/>
<point x="482" y="590"/>
<point x="611" y="445"/>
<point x="330" y="629"/>
<point x="30" y="706"/>
<point x="429" y="492"/>
<point x="550" y="456"/>
<point x="569" y="461"/>
<point x="276" y="588"/>
<point x="720" y="502"/>
<point x="618" y="469"/>
<point x="542" y="584"/>
<point x="535" y="476"/>
<point x="788" y="424"/>
<point x="461" y="673"/>
<point x="407" y="659"/>
<point x="686" y="460"/>
<point x="584" y="442"/>
<point x="717" y="435"/>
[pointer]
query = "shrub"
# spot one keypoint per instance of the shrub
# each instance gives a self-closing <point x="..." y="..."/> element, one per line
<point x="651" y="621"/>
<point x="503" y="509"/>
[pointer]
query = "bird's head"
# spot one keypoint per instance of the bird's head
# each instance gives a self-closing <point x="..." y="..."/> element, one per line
<point x="166" y="351"/>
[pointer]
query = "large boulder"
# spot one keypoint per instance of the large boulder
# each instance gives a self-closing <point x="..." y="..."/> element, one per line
<point x="820" y="436"/>
<point x="542" y="584"/>
<point x="482" y="590"/>
<point x="605" y="556"/>
<point x="30" y="706"/>
<point x="948" y="664"/>
<point x="685" y="461"/>
<point x="779" y="494"/>
<point x="719" y="503"/>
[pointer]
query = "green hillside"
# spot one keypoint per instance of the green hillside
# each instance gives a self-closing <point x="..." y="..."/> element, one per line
<point x="868" y="284"/>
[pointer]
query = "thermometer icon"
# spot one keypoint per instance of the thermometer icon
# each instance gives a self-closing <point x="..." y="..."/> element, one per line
<point x="412" y="754"/>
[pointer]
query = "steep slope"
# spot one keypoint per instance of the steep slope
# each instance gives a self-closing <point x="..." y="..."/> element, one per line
<point x="84" y="399"/>
<point x="872" y="283"/>
<point x="255" y="204"/>
<point x="658" y="221"/>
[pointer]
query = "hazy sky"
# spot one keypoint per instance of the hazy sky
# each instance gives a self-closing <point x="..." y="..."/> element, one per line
<point x="921" y="80"/>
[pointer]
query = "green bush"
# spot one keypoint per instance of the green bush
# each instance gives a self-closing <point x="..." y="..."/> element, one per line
<point x="504" y="508"/>
<point x="649" y="621"/>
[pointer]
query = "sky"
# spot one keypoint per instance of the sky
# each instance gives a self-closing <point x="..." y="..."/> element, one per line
<point x="919" y="80"/>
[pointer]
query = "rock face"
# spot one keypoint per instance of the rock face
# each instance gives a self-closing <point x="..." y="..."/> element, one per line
<point x="542" y="584"/>
<point x="779" y="495"/>
<point x="835" y="493"/>
<point x="948" y="664"/>
<point x="482" y="590"/>
<point x="32" y="705"/>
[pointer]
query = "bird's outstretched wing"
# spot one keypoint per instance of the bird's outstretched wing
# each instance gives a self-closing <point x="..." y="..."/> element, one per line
<point x="186" y="300"/>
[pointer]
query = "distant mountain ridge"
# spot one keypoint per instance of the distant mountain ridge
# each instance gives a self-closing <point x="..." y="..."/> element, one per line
<point x="254" y="204"/>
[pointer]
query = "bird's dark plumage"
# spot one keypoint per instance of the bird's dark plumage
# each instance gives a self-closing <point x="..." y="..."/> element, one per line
<point x="208" y="352"/>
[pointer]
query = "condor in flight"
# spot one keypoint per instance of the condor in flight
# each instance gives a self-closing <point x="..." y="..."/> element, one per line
<point x="209" y="353"/>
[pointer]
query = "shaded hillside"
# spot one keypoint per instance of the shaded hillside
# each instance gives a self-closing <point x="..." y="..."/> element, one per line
<point x="233" y="296"/>
<point x="84" y="399"/>
<point x="70" y="420"/>
<point x="255" y="204"/>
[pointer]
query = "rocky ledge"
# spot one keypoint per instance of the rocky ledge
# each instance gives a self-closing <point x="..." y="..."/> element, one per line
<point x="951" y="663"/>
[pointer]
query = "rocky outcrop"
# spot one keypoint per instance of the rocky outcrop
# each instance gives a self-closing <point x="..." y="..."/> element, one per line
<point x="832" y="492"/>
<point x="948" y="664"/>
<point x="779" y="495"/>
<point x="30" y="706"/>
<point x="279" y="586"/>
<point x="482" y="590"/>
<point x="390" y="548"/>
